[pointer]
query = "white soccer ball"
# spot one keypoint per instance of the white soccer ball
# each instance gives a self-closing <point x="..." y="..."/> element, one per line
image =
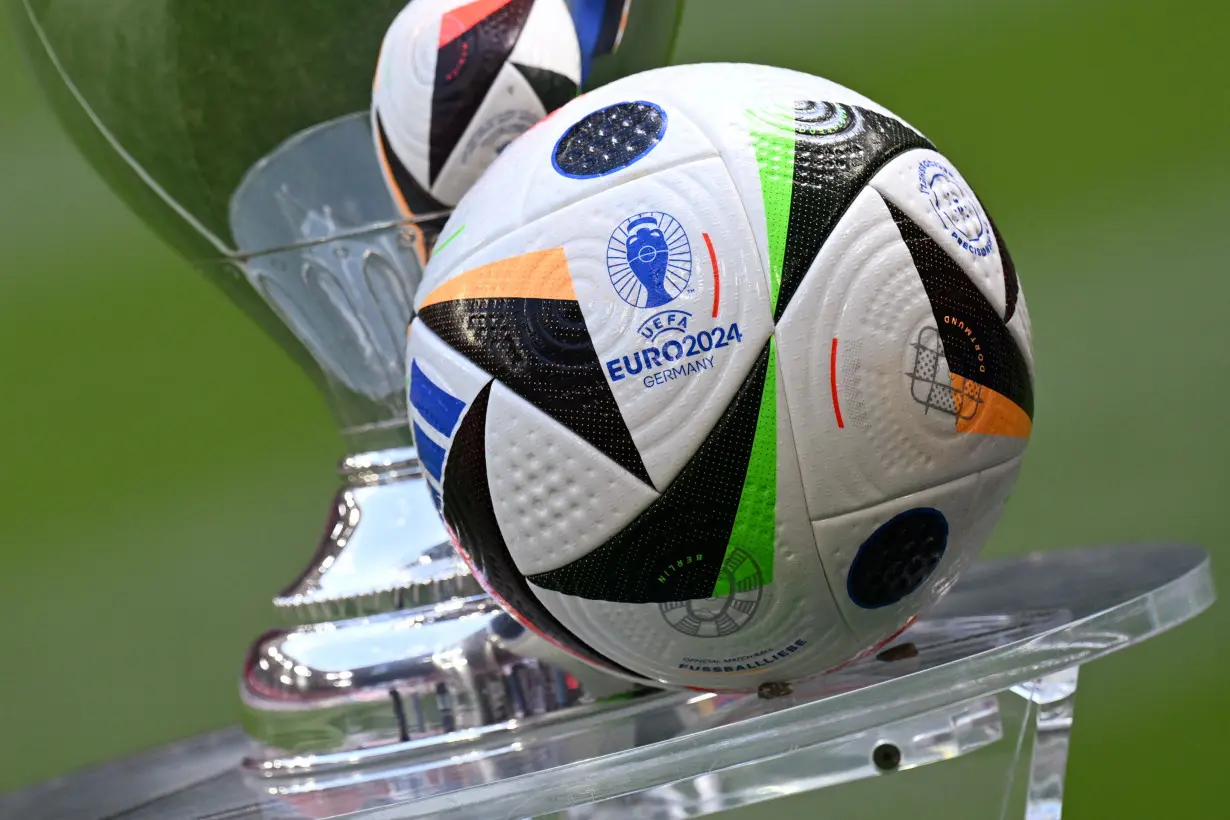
<point x="456" y="81"/>
<point x="721" y="377"/>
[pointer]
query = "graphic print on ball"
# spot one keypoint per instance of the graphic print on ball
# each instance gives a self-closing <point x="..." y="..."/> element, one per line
<point x="897" y="558"/>
<point x="437" y="406"/>
<point x="1012" y="286"/>
<point x="813" y="164"/>
<point x="470" y="516"/>
<point x="729" y="610"/>
<point x="675" y="549"/>
<point x="649" y="259"/>
<point x="470" y="56"/>
<point x="609" y="140"/>
<point x="977" y="345"/>
<point x="518" y="319"/>
<point x="415" y="199"/>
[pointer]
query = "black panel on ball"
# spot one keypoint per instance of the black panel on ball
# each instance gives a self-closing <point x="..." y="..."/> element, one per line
<point x="977" y="344"/>
<point x="470" y="516"/>
<point x="466" y="69"/>
<point x="1012" y="286"/>
<point x="541" y="350"/>
<point x="837" y="150"/>
<point x="551" y="88"/>
<point x="673" y="551"/>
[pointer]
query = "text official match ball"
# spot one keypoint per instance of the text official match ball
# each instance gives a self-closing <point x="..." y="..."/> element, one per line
<point x="721" y="375"/>
<point x="457" y="80"/>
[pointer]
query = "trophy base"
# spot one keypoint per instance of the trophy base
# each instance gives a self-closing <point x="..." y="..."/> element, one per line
<point x="985" y="684"/>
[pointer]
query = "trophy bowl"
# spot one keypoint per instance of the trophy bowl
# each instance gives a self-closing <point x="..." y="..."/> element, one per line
<point x="241" y="133"/>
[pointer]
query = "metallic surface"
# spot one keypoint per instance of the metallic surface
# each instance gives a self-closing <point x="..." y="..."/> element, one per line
<point x="319" y="237"/>
<point x="384" y="548"/>
<point x="402" y="645"/>
<point x="248" y="146"/>
<point x="1005" y="624"/>
<point x="402" y="678"/>
<point x="251" y="155"/>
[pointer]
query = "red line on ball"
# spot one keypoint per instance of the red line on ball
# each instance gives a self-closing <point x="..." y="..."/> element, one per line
<point x="833" y="383"/>
<point x="717" y="280"/>
<point x="463" y="18"/>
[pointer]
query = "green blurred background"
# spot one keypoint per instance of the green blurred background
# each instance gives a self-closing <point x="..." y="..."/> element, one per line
<point x="167" y="468"/>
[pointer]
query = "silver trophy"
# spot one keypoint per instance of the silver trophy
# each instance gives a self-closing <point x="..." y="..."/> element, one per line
<point x="390" y="639"/>
<point x="241" y="132"/>
<point x="393" y="685"/>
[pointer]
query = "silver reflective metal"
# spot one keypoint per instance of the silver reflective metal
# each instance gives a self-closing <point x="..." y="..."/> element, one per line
<point x="383" y="550"/>
<point x="403" y="678"/>
<point x="396" y="641"/>
<point x="241" y="134"/>
<point x="319" y="237"/>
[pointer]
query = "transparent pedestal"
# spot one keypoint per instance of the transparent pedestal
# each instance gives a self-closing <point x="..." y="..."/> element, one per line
<point x="967" y="714"/>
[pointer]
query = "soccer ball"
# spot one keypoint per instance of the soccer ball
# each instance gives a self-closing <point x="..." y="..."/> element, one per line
<point x="721" y="376"/>
<point x="456" y="81"/>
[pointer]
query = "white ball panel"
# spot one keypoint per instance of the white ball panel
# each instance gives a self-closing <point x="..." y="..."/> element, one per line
<point x="972" y="505"/>
<point x="793" y="633"/>
<point x="510" y="109"/>
<point x="721" y="98"/>
<point x="522" y="185"/>
<point x="863" y="288"/>
<point x="405" y="81"/>
<point x="669" y="418"/>
<point x="549" y="40"/>
<point x="796" y="606"/>
<point x="930" y="190"/>
<point x="556" y="496"/>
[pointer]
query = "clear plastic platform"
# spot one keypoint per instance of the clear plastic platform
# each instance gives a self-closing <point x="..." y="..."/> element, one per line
<point x="984" y="687"/>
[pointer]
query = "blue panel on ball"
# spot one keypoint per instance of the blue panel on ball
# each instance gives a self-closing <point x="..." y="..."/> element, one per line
<point x="435" y="405"/>
<point x="609" y="140"/>
<point x="897" y="558"/>
<point x="431" y="455"/>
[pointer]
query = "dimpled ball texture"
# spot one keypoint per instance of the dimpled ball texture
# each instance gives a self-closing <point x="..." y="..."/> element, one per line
<point x="721" y="375"/>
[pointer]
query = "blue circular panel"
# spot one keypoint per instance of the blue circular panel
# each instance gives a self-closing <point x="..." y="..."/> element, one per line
<point x="897" y="558"/>
<point x="609" y="140"/>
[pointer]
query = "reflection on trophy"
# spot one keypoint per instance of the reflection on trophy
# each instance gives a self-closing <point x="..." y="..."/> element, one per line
<point x="276" y="189"/>
<point x="393" y="640"/>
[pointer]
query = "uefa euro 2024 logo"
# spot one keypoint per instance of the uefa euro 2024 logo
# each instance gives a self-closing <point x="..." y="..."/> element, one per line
<point x="649" y="259"/>
<point x="955" y="206"/>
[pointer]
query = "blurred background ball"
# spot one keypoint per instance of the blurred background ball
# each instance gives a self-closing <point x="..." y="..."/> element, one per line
<point x="457" y="80"/>
<point x="722" y="376"/>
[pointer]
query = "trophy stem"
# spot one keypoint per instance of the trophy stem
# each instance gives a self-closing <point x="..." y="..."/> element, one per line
<point x="384" y="548"/>
<point x="392" y="641"/>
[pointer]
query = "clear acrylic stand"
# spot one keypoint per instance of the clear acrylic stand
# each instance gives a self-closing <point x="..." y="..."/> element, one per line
<point x="984" y="686"/>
